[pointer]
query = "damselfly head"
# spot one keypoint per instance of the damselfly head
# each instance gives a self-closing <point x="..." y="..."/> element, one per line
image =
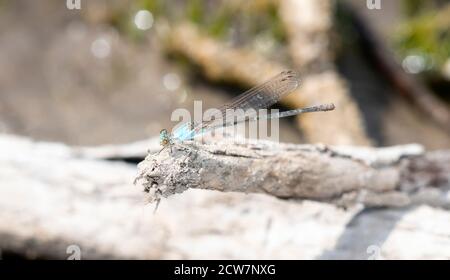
<point x="164" y="137"/>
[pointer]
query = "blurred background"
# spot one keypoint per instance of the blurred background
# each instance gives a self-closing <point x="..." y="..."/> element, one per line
<point x="112" y="72"/>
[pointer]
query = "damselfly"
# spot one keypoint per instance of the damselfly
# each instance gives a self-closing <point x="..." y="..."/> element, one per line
<point x="260" y="97"/>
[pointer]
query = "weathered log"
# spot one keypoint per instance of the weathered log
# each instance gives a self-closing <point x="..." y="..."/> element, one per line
<point x="393" y="176"/>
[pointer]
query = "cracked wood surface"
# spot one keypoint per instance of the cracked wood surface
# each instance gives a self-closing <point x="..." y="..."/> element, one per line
<point x="393" y="176"/>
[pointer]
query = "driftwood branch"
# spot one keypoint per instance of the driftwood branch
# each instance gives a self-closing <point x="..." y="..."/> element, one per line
<point x="394" y="176"/>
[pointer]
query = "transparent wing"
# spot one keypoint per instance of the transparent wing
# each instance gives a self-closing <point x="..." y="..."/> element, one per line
<point x="259" y="97"/>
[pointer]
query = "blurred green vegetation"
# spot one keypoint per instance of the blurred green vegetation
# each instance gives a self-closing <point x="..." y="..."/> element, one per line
<point x="425" y="31"/>
<point x="257" y="25"/>
<point x="221" y="18"/>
